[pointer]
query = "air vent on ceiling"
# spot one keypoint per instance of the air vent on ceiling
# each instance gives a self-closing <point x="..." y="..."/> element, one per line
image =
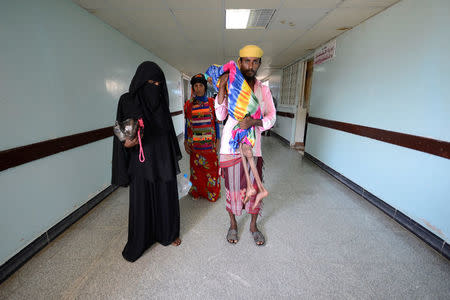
<point x="260" y="18"/>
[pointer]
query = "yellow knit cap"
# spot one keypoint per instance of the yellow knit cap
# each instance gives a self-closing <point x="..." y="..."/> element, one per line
<point x="251" y="51"/>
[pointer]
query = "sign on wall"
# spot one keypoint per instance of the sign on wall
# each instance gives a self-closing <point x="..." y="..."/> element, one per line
<point x="325" y="53"/>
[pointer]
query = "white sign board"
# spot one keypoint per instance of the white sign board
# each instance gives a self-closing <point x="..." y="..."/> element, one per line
<point x="325" y="53"/>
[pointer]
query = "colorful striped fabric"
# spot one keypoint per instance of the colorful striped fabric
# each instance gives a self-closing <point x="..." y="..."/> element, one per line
<point x="202" y="137"/>
<point x="242" y="101"/>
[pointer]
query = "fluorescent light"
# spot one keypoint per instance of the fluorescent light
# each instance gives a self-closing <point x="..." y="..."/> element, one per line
<point x="237" y="18"/>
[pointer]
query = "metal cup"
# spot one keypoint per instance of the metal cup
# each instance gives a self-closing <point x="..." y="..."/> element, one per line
<point x="126" y="130"/>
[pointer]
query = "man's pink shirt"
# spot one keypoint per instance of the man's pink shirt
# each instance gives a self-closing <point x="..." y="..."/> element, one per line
<point x="262" y="92"/>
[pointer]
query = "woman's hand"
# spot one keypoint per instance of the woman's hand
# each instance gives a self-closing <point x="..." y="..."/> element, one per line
<point x="131" y="143"/>
<point x="217" y="145"/>
<point x="187" y="147"/>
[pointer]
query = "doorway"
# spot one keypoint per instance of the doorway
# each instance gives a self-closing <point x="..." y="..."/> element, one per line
<point x="186" y="90"/>
<point x="303" y="107"/>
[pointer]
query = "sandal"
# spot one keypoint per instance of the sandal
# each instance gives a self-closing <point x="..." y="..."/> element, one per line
<point x="258" y="237"/>
<point x="232" y="235"/>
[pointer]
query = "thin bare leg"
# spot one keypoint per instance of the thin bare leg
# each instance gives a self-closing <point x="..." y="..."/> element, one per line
<point x="250" y="189"/>
<point x="232" y="236"/>
<point x="247" y="151"/>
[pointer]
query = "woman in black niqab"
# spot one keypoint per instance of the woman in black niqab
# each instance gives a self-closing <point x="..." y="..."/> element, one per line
<point x="154" y="214"/>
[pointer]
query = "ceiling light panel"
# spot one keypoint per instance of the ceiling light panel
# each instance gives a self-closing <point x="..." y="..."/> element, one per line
<point x="237" y="18"/>
<point x="248" y="18"/>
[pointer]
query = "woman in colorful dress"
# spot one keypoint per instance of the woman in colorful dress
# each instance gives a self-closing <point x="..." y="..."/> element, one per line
<point x="202" y="141"/>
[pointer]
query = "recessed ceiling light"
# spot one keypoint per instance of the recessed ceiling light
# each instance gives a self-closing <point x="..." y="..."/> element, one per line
<point x="237" y="18"/>
<point x="248" y="18"/>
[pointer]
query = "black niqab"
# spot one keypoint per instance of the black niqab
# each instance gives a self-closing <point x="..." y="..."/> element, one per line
<point x="161" y="149"/>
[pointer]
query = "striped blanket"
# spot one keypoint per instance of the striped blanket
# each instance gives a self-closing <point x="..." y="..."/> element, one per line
<point x="242" y="101"/>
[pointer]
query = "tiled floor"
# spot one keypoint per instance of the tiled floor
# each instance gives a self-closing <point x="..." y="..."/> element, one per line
<point x="323" y="241"/>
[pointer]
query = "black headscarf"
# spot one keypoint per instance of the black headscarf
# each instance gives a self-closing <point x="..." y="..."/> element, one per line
<point x="160" y="143"/>
<point x="199" y="78"/>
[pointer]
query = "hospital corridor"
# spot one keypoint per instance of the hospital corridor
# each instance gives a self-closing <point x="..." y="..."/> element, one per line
<point x="225" y="149"/>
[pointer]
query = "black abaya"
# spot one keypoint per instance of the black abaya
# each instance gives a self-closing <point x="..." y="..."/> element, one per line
<point x="154" y="214"/>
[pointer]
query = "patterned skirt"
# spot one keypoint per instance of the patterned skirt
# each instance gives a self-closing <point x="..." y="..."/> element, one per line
<point x="205" y="175"/>
<point x="236" y="184"/>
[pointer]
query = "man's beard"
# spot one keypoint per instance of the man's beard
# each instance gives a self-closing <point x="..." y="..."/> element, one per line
<point x="249" y="78"/>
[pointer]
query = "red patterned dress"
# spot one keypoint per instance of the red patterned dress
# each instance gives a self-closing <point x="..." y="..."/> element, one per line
<point x="201" y="133"/>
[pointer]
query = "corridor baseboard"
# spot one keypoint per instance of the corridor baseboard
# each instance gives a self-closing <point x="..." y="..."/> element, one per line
<point x="424" y="234"/>
<point x="280" y="137"/>
<point x="298" y="146"/>
<point x="18" y="260"/>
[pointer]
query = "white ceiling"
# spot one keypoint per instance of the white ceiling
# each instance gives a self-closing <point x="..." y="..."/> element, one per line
<point x="190" y="34"/>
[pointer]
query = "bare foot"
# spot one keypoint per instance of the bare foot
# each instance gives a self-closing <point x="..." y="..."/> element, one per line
<point x="177" y="242"/>
<point x="250" y="193"/>
<point x="261" y="195"/>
